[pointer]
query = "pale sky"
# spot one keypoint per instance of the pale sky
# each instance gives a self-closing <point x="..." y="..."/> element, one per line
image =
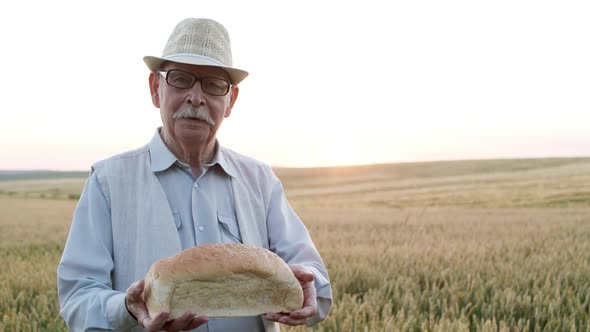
<point x="331" y="82"/>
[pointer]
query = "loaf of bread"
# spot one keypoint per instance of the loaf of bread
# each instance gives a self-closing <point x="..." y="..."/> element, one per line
<point x="222" y="280"/>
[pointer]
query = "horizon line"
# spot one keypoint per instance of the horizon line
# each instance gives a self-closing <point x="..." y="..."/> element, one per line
<point x="56" y="170"/>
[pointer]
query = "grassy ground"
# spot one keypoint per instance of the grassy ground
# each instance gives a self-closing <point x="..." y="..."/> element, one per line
<point x="498" y="245"/>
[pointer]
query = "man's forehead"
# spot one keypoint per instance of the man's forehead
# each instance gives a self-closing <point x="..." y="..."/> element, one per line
<point x="197" y="70"/>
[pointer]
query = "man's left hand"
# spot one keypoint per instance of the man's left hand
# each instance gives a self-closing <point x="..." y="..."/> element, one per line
<point x="310" y="305"/>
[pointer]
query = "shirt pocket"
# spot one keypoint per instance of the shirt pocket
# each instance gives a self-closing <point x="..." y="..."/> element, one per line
<point x="228" y="228"/>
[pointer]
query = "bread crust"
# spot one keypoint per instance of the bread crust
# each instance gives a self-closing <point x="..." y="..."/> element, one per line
<point x="222" y="280"/>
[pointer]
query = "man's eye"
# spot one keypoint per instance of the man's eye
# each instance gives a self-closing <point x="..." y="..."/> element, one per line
<point x="213" y="85"/>
<point x="180" y="80"/>
<point x="217" y="85"/>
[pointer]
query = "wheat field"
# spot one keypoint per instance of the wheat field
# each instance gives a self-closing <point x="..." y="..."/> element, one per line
<point x="496" y="245"/>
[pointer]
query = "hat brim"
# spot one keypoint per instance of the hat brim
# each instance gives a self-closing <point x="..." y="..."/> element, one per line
<point x="154" y="63"/>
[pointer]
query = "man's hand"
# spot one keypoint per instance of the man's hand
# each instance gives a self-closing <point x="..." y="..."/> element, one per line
<point x="135" y="303"/>
<point x="310" y="305"/>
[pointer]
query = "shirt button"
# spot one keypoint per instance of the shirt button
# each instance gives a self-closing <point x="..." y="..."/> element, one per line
<point x="201" y="228"/>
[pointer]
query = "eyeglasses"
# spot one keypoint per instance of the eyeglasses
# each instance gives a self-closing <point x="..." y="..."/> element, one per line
<point x="184" y="80"/>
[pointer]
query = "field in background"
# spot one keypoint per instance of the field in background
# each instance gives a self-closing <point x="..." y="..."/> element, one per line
<point x="498" y="245"/>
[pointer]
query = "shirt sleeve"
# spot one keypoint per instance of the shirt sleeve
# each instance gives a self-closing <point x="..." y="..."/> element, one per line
<point x="290" y="239"/>
<point x="87" y="300"/>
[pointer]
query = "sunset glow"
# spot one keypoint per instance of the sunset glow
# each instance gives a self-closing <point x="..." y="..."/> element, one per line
<point x="369" y="82"/>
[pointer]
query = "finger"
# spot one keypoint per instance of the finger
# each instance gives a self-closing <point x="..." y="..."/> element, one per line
<point x="196" y="322"/>
<point x="134" y="291"/>
<point x="303" y="276"/>
<point x="135" y="304"/>
<point x="309" y="297"/>
<point x="303" y="313"/>
<point x="179" y="323"/>
<point x="155" y="324"/>
<point x="291" y="321"/>
<point x="310" y="305"/>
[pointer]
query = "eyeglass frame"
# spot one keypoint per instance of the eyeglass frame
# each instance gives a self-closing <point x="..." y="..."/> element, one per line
<point x="164" y="73"/>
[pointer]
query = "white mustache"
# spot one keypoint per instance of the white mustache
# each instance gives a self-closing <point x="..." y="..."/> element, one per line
<point x="192" y="112"/>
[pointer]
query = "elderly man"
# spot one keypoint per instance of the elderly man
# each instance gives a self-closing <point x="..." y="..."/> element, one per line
<point x="180" y="190"/>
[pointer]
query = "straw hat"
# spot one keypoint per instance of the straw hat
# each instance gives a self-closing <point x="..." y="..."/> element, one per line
<point x="201" y="42"/>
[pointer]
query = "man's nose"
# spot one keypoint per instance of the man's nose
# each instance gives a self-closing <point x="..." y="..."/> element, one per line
<point x="196" y="94"/>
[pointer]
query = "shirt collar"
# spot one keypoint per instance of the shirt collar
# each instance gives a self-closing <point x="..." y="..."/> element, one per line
<point x="162" y="158"/>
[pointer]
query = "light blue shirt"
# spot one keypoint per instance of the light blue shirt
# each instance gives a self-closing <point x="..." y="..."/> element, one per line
<point x="204" y="212"/>
<point x="203" y="209"/>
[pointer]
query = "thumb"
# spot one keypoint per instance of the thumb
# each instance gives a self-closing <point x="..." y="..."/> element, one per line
<point x="303" y="275"/>
<point x="135" y="291"/>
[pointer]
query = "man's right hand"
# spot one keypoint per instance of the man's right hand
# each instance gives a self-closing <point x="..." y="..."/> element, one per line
<point x="135" y="303"/>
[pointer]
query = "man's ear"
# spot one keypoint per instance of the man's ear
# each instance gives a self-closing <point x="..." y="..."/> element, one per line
<point x="154" y="81"/>
<point x="232" y="99"/>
